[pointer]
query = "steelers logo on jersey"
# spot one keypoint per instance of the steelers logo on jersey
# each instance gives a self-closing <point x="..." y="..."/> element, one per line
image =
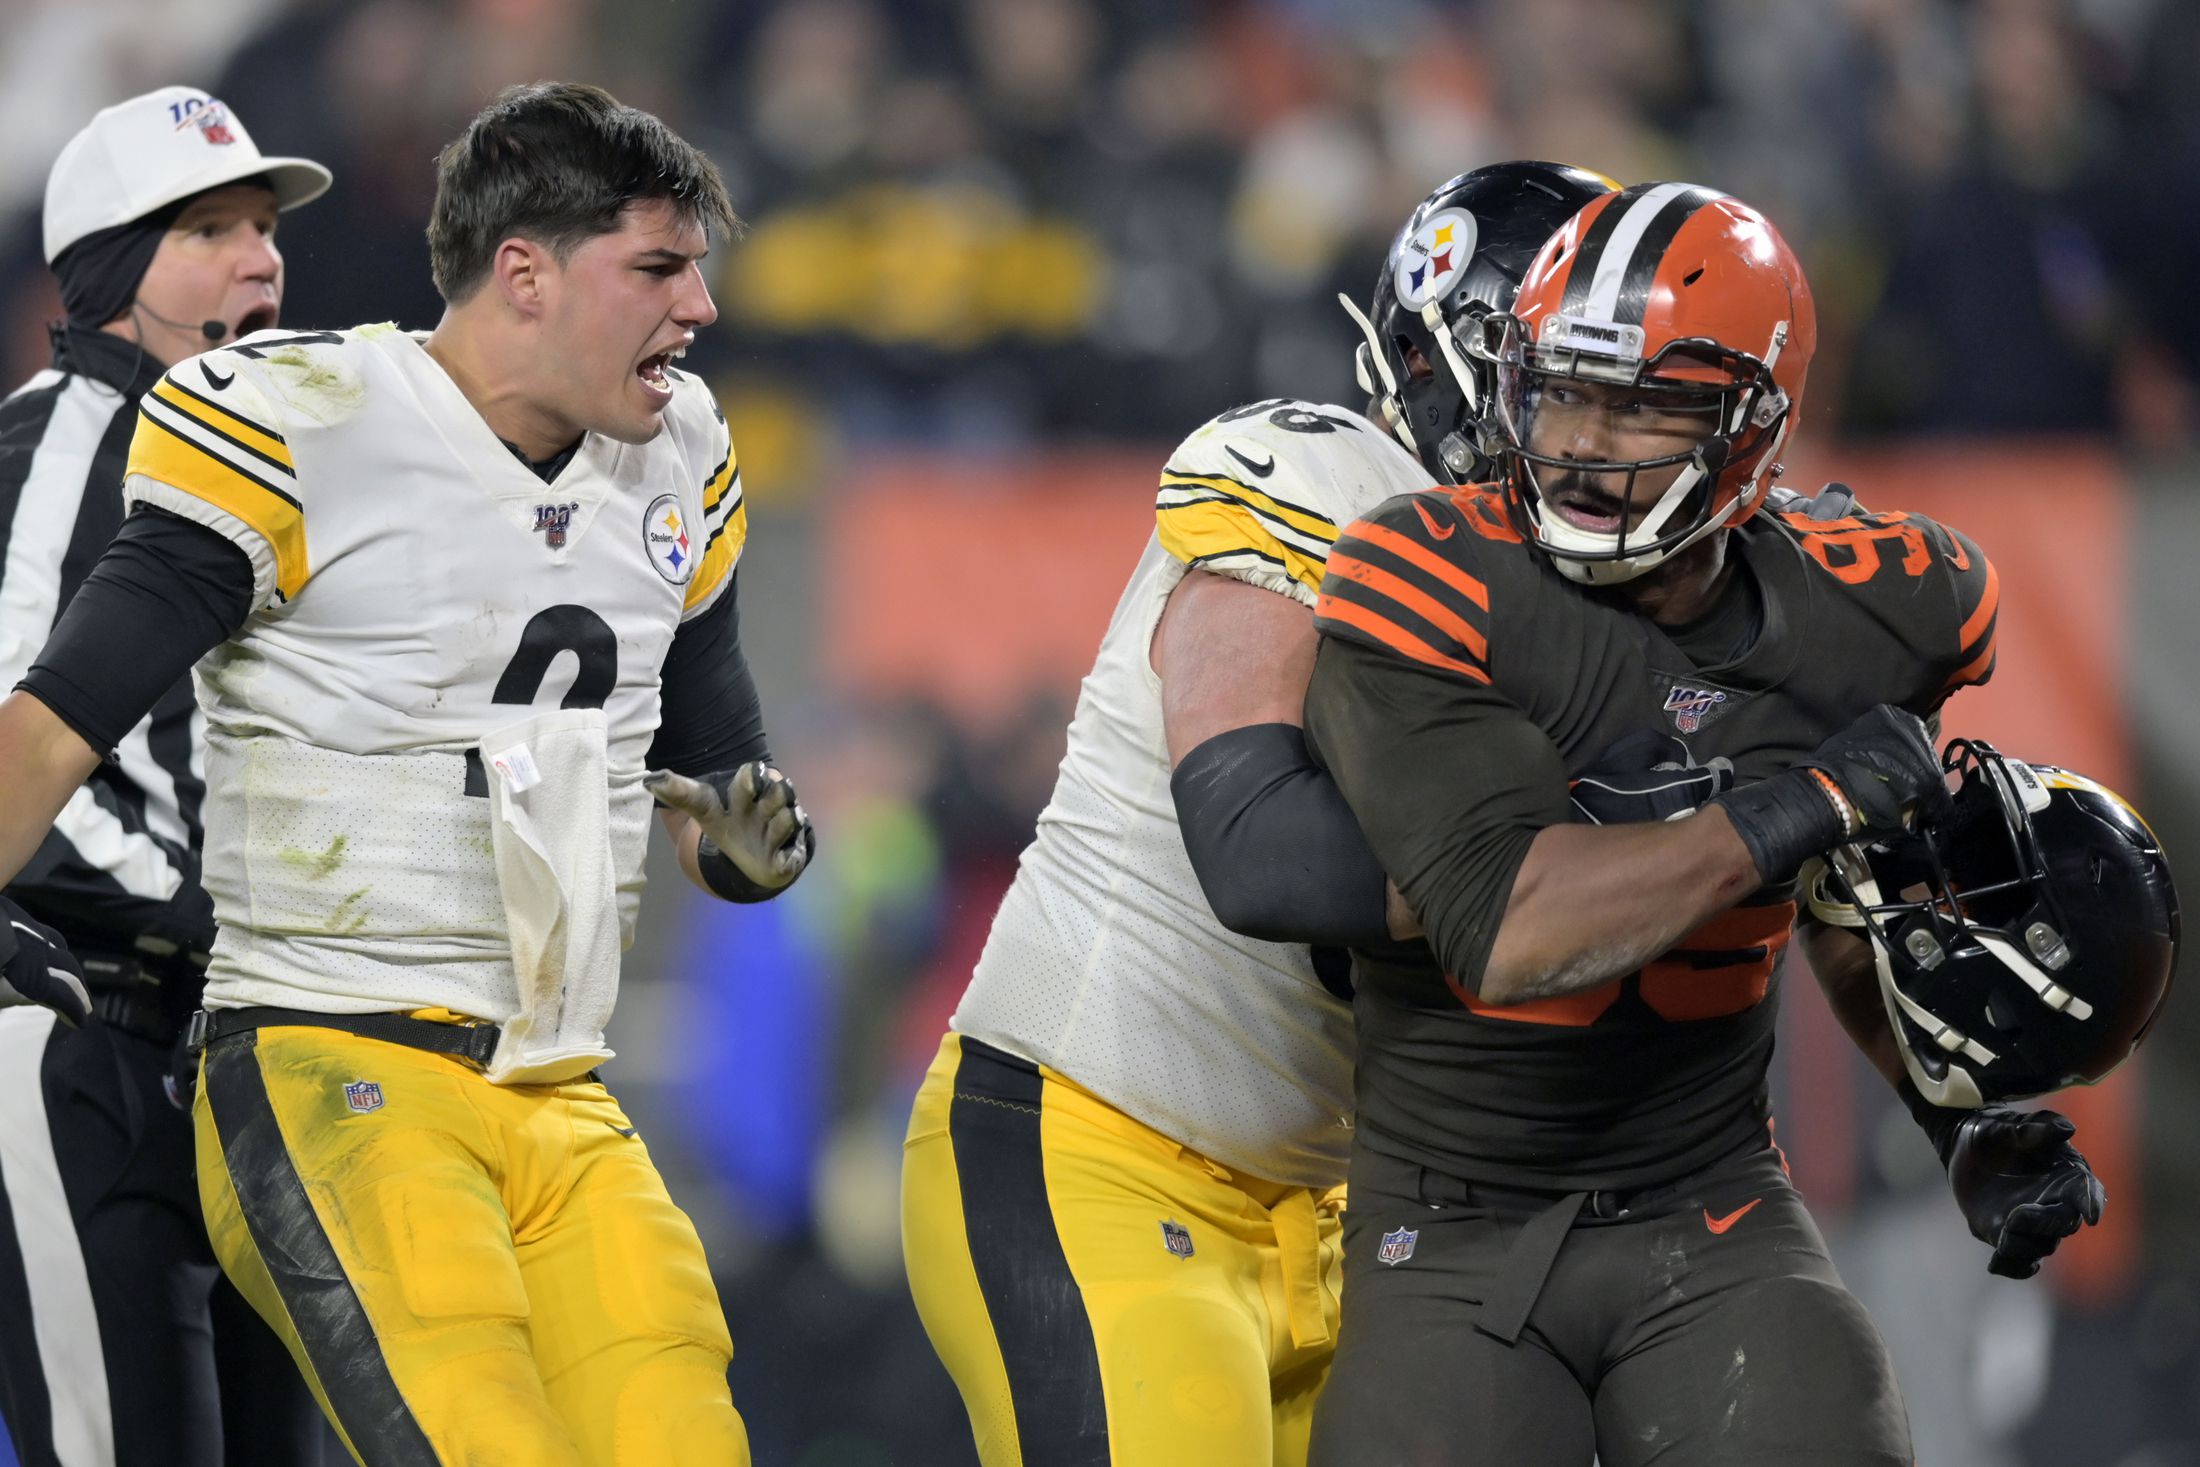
<point x="665" y="532"/>
<point x="1430" y="263"/>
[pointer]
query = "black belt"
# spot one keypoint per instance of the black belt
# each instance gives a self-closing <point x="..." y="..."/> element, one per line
<point x="126" y="996"/>
<point x="475" y="1043"/>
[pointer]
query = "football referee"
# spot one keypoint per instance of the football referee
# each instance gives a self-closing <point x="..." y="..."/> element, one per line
<point x="120" y="1342"/>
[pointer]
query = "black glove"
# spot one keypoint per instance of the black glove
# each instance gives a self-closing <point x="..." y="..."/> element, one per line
<point x="2022" y="1186"/>
<point x="35" y="964"/>
<point x="1857" y="785"/>
<point x="1645" y="776"/>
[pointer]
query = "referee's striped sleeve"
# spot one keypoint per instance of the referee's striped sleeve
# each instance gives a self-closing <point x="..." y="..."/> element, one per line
<point x="213" y="441"/>
<point x="1220" y="524"/>
<point x="1396" y="581"/>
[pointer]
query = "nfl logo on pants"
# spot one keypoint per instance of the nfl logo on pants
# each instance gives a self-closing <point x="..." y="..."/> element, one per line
<point x="1397" y="1245"/>
<point x="1177" y="1239"/>
<point x="363" y="1095"/>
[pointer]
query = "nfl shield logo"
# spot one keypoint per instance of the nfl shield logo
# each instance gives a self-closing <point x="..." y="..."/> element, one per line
<point x="1691" y="706"/>
<point x="1398" y="1245"/>
<point x="1177" y="1239"/>
<point x="363" y="1096"/>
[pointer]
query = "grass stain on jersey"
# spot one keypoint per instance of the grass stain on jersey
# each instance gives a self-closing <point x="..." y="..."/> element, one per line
<point x="316" y="865"/>
<point x="349" y="917"/>
<point x="315" y="384"/>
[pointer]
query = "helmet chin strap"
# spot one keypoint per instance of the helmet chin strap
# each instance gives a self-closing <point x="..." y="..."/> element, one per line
<point x="1380" y="365"/>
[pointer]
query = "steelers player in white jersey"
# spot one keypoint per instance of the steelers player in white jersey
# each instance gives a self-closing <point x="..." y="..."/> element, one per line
<point x="459" y="604"/>
<point x="1122" y="1174"/>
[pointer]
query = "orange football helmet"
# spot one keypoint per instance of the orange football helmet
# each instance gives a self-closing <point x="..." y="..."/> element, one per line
<point x="1691" y="305"/>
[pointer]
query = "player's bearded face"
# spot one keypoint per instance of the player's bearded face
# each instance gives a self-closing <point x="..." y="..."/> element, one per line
<point x="1586" y="423"/>
<point x="623" y="307"/>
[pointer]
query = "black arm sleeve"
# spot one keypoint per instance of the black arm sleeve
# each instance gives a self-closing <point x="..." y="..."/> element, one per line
<point x="1449" y="780"/>
<point x="1276" y="849"/>
<point x="166" y="592"/>
<point x="712" y="720"/>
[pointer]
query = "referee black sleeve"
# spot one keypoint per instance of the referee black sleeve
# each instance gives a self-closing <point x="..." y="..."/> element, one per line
<point x="166" y="592"/>
<point x="712" y="719"/>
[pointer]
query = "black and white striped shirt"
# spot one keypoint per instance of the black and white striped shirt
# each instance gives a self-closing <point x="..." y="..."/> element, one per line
<point x="127" y="842"/>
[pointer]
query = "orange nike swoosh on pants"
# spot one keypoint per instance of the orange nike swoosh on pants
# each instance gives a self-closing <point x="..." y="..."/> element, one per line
<point x="1721" y="1224"/>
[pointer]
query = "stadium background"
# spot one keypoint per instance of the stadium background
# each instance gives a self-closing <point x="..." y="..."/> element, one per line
<point x="1002" y="253"/>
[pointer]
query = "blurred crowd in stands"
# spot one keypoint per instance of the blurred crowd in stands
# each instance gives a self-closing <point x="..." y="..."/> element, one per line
<point x="986" y="227"/>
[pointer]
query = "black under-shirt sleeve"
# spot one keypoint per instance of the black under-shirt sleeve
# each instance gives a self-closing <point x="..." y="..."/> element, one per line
<point x="1449" y="780"/>
<point x="164" y="593"/>
<point x="711" y="717"/>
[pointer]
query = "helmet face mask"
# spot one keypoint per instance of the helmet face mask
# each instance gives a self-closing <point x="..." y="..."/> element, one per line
<point x="2025" y="942"/>
<point x="1460" y="256"/>
<point x="1695" y="406"/>
<point x="1663" y="289"/>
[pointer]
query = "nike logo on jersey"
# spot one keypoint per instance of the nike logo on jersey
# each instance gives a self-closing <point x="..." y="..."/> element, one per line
<point x="1721" y="1224"/>
<point x="628" y="1131"/>
<point x="1260" y="471"/>
<point x="213" y="380"/>
<point x="1435" y="530"/>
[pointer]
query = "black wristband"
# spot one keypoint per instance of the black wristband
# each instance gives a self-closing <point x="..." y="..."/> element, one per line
<point x="1938" y="1122"/>
<point x="1784" y="820"/>
<point x="727" y="880"/>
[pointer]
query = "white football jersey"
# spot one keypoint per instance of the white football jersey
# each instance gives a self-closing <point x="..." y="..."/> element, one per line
<point x="416" y="588"/>
<point x="1105" y="962"/>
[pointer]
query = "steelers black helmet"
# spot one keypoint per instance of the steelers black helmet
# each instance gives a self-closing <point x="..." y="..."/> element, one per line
<point x="2025" y="939"/>
<point x="1460" y="256"/>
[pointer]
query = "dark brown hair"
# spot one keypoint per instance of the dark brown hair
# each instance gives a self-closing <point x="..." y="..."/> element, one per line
<point x="558" y="163"/>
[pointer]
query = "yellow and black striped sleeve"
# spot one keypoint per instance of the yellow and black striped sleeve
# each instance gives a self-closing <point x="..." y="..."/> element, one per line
<point x="725" y="530"/>
<point x="1397" y="582"/>
<point x="1219" y="524"/>
<point x="208" y="446"/>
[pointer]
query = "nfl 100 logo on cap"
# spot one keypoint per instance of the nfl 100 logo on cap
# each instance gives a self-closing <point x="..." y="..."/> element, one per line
<point x="1397" y="1245"/>
<point x="665" y="533"/>
<point x="155" y="150"/>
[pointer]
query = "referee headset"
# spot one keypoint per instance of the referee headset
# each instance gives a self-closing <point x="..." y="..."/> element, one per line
<point x="122" y="181"/>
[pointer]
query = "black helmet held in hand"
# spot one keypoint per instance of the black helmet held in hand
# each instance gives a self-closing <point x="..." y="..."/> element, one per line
<point x="2025" y="938"/>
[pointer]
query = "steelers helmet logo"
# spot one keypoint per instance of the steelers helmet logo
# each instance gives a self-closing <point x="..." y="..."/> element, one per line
<point x="1433" y="258"/>
<point x="669" y="539"/>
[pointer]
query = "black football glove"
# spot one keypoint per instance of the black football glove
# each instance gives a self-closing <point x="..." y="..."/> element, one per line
<point x="1858" y="785"/>
<point x="36" y="966"/>
<point x="2021" y="1185"/>
<point x="1645" y="776"/>
<point x="756" y="837"/>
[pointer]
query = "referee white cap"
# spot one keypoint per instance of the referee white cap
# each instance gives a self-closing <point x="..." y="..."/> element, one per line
<point x="150" y="151"/>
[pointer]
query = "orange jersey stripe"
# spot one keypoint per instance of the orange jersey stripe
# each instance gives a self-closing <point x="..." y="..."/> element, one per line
<point x="1417" y="601"/>
<point x="1984" y="616"/>
<point x="1424" y="558"/>
<point x="1393" y="636"/>
<point x="1971" y="671"/>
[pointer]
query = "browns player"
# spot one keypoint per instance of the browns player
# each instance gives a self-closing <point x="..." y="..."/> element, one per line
<point x="1570" y="1230"/>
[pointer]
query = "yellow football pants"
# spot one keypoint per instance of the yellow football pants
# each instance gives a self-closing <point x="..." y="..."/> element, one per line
<point x="466" y="1273"/>
<point x="1100" y="1294"/>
